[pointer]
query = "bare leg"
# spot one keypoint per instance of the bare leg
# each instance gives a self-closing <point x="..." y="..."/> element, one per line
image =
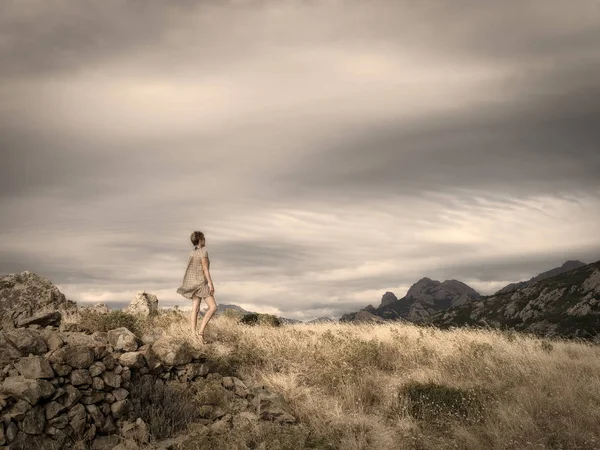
<point x="194" y="316"/>
<point x="212" y="308"/>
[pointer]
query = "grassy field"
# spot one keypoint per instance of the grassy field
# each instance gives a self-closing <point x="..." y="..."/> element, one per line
<point x="400" y="386"/>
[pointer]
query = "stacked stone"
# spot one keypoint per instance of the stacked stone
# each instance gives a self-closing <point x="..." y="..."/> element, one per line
<point x="64" y="387"/>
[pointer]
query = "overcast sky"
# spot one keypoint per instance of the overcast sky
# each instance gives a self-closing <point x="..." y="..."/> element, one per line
<point x="330" y="150"/>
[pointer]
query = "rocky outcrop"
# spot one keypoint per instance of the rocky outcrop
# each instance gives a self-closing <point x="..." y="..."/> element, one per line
<point x="144" y="304"/>
<point x="566" y="305"/>
<point x="424" y="298"/>
<point x="566" y="267"/>
<point x="388" y="298"/>
<point x="60" y="385"/>
<point x="28" y="299"/>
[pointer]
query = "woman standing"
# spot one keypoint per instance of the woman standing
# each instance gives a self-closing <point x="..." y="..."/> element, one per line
<point x="197" y="283"/>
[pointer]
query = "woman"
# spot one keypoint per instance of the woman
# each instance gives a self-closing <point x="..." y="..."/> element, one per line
<point x="197" y="283"/>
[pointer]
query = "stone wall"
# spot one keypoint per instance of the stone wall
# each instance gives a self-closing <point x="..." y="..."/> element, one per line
<point x="61" y="389"/>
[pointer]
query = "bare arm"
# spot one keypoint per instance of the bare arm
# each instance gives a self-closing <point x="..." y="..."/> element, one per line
<point x="207" y="273"/>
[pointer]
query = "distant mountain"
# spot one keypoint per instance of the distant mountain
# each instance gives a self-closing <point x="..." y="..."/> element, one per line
<point x="566" y="267"/>
<point x="424" y="298"/>
<point x="566" y="305"/>
<point x="221" y="308"/>
<point x="321" y="320"/>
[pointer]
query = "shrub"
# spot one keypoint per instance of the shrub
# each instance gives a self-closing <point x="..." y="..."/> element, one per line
<point x="260" y="319"/>
<point x="95" y="321"/>
<point x="166" y="408"/>
<point x="436" y="403"/>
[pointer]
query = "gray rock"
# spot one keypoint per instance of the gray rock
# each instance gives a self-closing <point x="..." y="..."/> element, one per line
<point x="25" y="294"/>
<point x="97" y="383"/>
<point x="76" y="356"/>
<point x="77" y="418"/>
<point x="43" y="319"/>
<point x="34" y="421"/>
<point x="143" y="304"/>
<point x="73" y="395"/>
<point x="97" y="369"/>
<point x="120" y="394"/>
<point x="53" y="340"/>
<point x="171" y="352"/>
<point x="120" y="408"/>
<point x="53" y="409"/>
<point x="62" y="370"/>
<point x="59" y="421"/>
<point x="236" y="385"/>
<point x="122" y="339"/>
<point x="134" y="360"/>
<point x="271" y="406"/>
<point x="34" y="367"/>
<point x="111" y="379"/>
<point x="106" y="442"/>
<point x="26" y="341"/>
<point x="193" y="371"/>
<point x="80" y="377"/>
<point x="2" y="436"/>
<point x="16" y="411"/>
<point x="11" y="431"/>
<point x="27" y="389"/>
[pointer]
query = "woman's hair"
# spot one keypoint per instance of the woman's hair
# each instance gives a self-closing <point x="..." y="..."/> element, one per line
<point x="196" y="237"/>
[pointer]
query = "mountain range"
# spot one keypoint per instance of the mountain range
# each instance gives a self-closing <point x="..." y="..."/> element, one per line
<point x="564" y="301"/>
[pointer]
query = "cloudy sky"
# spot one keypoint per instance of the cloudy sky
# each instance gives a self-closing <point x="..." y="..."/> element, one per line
<point x="330" y="150"/>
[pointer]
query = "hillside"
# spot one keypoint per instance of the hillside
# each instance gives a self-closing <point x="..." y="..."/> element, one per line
<point x="567" y="304"/>
<point x="566" y="267"/>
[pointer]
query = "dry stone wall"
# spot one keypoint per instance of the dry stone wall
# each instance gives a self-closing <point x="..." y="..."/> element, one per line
<point x="64" y="388"/>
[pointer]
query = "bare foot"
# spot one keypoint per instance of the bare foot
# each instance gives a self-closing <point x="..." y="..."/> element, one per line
<point x="201" y="337"/>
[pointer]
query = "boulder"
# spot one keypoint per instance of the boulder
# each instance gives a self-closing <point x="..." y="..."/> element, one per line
<point x="144" y="304"/>
<point x="122" y="339"/>
<point x="172" y="352"/>
<point x="34" y="421"/>
<point x="25" y="341"/>
<point x="34" y="367"/>
<point x="43" y="319"/>
<point x="25" y="294"/>
<point x="76" y="356"/>
<point x="26" y="389"/>
<point x="134" y="360"/>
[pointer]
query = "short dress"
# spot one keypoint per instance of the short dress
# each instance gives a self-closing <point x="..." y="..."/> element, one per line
<point x="194" y="282"/>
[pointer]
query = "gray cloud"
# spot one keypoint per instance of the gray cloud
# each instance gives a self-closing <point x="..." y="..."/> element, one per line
<point x="330" y="150"/>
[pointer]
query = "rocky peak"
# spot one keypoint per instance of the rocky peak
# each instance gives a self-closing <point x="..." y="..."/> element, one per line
<point x="25" y="294"/>
<point x="388" y="298"/>
<point x="144" y="304"/>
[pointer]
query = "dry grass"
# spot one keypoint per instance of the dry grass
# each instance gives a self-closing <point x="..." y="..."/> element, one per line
<point x="400" y="386"/>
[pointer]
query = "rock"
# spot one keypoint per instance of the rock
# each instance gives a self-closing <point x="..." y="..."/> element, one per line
<point x="98" y="308"/>
<point x="171" y="352"/>
<point x="109" y="361"/>
<point x="236" y="385"/>
<point x="152" y="336"/>
<point x="77" y="418"/>
<point x="388" y="298"/>
<point x="34" y="367"/>
<point x="26" y="341"/>
<point x="134" y="360"/>
<point x="62" y="370"/>
<point x="193" y="371"/>
<point x="16" y="411"/>
<point x="111" y="379"/>
<point x="53" y="409"/>
<point x="59" y="421"/>
<point x="27" y="389"/>
<point x="26" y="294"/>
<point x="76" y="356"/>
<point x="79" y="377"/>
<point x="43" y="319"/>
<point x="73" y="395"/>
<point x="143" y="304"/>
<point x="11" y="432"/>
<point x="122" y="339"/>
<point x="97" y="383"/>
<point x="222" y="425"/>
<point x="120" y="394"/>
<point x="272" y="406"/>
<point x="53" y="340"/>
<point x="2" y="436"/>
<point x="120" y="408"/>
<point x="97" y="369"/>
<point x="71" y="327"/>
<point x="136" y="431"/>
<point x="34" y="421"/>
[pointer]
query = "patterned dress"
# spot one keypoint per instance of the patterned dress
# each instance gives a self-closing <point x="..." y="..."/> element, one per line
<point x="194" y="282"/>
